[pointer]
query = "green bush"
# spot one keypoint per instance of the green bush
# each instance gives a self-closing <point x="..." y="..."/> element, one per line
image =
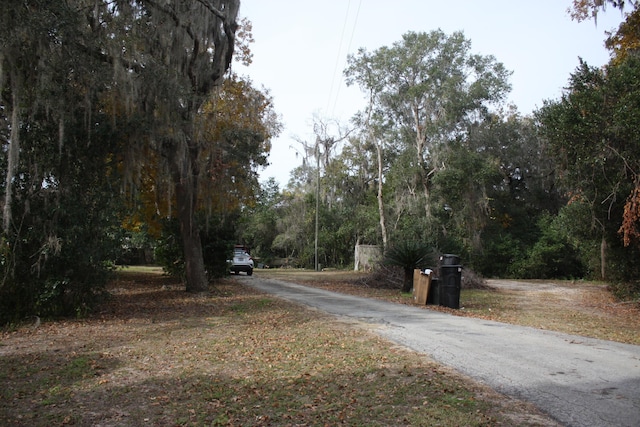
<point x="409" y="255"/>
<point x="552" y="256"/>
<point x="498" y="256"/>
<point x="168" y="252"/>
<point x="58" y="268"/>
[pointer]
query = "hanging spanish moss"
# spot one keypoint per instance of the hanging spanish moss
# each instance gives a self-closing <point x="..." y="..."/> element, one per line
<point x="90" y="89"/>
<point x="173" y="55"/>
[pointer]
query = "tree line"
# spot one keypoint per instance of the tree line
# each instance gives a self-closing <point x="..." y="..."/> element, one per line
<point x="123" y="128"/>
<point x="438" y="159"/>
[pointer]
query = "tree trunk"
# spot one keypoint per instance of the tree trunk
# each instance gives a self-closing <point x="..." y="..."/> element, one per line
<point x="420" y="143"/>
<point x="383" y="226"/>
<point x="185" y="178"/>
<point x="603" y="258"/>
<point x="196" y="276"/>
<point x="12" y="161"/>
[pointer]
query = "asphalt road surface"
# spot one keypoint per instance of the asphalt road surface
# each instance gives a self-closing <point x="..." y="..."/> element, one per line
<point x="577" y="381"/>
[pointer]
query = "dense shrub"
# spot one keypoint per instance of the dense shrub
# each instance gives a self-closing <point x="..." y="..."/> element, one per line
<point x="553" y="256"/>
<point x="59" y="262"/>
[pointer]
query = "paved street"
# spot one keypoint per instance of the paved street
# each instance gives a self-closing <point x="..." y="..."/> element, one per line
<point x="578" y="381"/>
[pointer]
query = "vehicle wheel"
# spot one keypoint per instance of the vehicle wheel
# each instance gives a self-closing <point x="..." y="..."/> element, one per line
<point x="249" y="273"/>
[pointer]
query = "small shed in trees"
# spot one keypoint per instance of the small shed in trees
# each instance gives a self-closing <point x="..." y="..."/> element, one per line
<point x="366" y="256"/>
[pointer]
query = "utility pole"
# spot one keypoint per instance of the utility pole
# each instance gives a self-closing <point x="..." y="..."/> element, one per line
<point x="317" y="199"/>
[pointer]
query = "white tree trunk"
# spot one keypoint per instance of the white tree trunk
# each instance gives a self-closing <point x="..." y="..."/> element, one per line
<point x="603" y="258"/>
<point x="13" y="156"/>
<point x="383" y="221"/>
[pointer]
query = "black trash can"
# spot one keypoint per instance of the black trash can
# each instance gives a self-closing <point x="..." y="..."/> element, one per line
<point x="449" y="259"/>
<point x="433" y="297"/>
<point x="450" y="285"/>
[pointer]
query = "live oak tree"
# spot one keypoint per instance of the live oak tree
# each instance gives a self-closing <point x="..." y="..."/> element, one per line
<point x="89" y="88"/>
<point x="236" y="125"/>
<point x="167" y="58"/>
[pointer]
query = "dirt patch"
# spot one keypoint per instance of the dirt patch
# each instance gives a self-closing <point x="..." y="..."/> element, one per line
<point x="575" y="307"/>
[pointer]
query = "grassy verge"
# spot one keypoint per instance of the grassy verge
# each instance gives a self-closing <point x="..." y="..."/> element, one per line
<point x="578" y="309"/>
<point x="158" y="356"/>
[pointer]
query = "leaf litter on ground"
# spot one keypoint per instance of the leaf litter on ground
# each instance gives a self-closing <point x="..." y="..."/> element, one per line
<point x="156" y="355"/>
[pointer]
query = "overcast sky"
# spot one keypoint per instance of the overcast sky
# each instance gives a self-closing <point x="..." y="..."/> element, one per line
<point x="301" y="47"/>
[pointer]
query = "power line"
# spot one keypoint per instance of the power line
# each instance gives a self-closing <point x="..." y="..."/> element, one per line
<point x="335" y="68"/>
<point x="353" y="31"/>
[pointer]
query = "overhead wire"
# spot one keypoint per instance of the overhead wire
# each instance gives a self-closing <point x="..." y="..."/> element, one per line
<point x="340" y="53"/>
<point x="335" y="68"/>
<point x="353" y="31"/>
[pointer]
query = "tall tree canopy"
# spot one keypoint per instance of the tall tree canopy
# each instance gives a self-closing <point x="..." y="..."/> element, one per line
<point x="593" y="132"/>
<point x="424" y="91"/>
<point x="95" y="94"/>
<point x="165" y="58"/>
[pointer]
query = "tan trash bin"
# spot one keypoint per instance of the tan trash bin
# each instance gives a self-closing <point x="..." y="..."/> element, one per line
<point x="421" y="283"/>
